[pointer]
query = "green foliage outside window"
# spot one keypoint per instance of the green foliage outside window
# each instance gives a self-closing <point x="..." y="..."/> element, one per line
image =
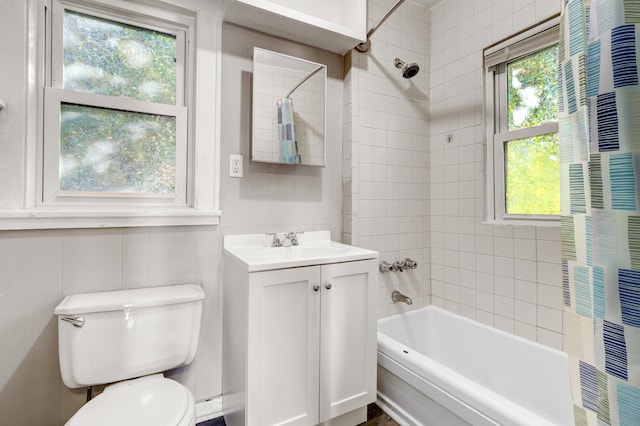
<point x="532" y="169"/>
<point x="533" y="175"/>
<point x="116" y="151"/>
<point x="107" y="150"/>
<point x="116" y="59"/>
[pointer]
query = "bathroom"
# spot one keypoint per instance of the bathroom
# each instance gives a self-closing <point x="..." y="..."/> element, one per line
<point x="394" y="182"/>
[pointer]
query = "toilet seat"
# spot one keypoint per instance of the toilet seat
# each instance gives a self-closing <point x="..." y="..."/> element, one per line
<point x="151" y="400"/>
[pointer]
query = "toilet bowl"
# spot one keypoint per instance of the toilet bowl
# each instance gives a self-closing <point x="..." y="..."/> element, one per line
<point x="146" y="401"/>
<point x="128" y="338"/>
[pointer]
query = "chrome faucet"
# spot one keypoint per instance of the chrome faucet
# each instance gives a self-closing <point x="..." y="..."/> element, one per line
<point x="292" y="238"/>
<point x="276" y="241"/>
<point x="396" y="296"/>
<point x="397" y="266"/>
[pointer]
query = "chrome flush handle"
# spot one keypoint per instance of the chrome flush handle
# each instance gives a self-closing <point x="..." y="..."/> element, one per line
<point x="75" y="321"/>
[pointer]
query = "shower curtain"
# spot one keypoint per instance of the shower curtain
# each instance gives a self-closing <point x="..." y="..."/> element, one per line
<point x="287" y="137"/>
<point x="599" y="110"/>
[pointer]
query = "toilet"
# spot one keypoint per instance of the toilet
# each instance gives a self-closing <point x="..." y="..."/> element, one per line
<point x="127" y="339"/>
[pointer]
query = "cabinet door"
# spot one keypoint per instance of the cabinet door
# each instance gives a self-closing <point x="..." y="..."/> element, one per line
<point x="348" y="337"/>
<point x="283" y="347"/>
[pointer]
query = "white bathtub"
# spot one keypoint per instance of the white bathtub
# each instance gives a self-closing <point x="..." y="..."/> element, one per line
<point x="439" y="368"/>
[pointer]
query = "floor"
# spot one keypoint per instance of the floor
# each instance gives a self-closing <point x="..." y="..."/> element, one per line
<point x="213" y="422"/>
<point x="375" y="416"/>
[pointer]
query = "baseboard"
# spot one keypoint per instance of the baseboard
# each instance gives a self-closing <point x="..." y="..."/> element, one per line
<point x="396" y="413"/>
<point x="208" y="409"/>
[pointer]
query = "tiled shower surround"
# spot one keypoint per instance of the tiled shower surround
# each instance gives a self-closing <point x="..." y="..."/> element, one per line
<point x="386" y="151"/>
<point x="508" y="277"/>
<point x="408" y="192"/>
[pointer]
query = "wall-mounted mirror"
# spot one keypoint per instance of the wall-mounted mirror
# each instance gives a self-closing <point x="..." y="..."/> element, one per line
<point x="288" y="109"/>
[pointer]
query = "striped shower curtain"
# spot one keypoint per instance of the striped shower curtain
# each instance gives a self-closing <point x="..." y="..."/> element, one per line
<point x="599" y="109"/>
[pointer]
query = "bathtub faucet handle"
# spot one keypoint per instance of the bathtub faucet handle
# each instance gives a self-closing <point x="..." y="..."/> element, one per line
<point x="409" y="263"/>
<point x="385" y="266"/>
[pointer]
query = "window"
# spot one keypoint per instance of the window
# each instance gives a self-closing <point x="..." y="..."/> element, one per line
<point x="523" y="165"/>
<point x="115" y="109"/>
<point x="120" y="135"/>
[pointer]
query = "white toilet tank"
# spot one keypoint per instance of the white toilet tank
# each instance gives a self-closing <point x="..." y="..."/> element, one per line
<point x="110" y="336"/>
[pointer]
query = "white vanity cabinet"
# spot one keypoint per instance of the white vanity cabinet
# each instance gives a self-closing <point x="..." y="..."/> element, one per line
<point x="299" y="344"/>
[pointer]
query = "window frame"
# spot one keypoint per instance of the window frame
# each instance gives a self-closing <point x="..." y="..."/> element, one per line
<point x="203" y="124"/>
<point x="55" y="95"/>
<point x="496" y="58"/>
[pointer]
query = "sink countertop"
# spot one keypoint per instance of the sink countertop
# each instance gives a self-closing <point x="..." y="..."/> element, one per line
<point x="254" y="251"/>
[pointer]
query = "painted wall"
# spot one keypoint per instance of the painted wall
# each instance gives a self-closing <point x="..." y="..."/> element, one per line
<point x="12" y="120"/>
<point x="507" y="277"/>
<point x="275" y="197"/>
<point x="386" y="151"/>
<point x="38" y="268"/>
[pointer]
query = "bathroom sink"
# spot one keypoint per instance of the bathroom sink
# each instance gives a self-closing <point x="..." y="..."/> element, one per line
<point x="300" y="252"/>
<point x="255" y="253"/>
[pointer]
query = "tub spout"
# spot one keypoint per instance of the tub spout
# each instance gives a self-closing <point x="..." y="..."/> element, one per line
<point x="396" y="296"/>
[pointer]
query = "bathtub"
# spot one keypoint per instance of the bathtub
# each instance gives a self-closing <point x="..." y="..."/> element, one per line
<point x="439" y="368"/>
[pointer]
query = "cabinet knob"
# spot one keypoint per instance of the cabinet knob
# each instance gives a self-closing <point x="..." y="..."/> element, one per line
<point x="316" y="287"/>
<point x="328" y="286"/>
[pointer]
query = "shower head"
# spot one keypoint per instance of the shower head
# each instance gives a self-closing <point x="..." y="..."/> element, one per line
<point x="408" y="70"/>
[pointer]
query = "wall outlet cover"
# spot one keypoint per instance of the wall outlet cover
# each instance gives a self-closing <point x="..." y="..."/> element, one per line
<point x="235" y="165"/>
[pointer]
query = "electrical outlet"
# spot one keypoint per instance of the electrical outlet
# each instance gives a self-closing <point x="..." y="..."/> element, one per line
<point x="235" y="165"/>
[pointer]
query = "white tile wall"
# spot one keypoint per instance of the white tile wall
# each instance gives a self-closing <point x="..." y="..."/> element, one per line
<point x="386" y="151"/>
<point x="508" y="277"/>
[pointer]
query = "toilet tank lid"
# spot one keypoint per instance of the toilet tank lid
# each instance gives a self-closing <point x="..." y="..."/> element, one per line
<point x="119" y="300"/>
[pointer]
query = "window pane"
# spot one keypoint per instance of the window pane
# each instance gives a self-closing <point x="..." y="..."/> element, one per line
<point x="110" y="58"/>
<point x="104" y="150"/>
<point x="533" y="89"/>
<point x="533" y="175"/>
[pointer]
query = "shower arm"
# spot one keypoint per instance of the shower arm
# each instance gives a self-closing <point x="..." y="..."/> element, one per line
<point x="305" y="79"/>
<point x="365" y="46"/>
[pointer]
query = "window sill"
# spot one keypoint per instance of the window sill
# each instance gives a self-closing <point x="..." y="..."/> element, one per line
<point x="548" y="223"/>
<point x="67" y="219"/>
